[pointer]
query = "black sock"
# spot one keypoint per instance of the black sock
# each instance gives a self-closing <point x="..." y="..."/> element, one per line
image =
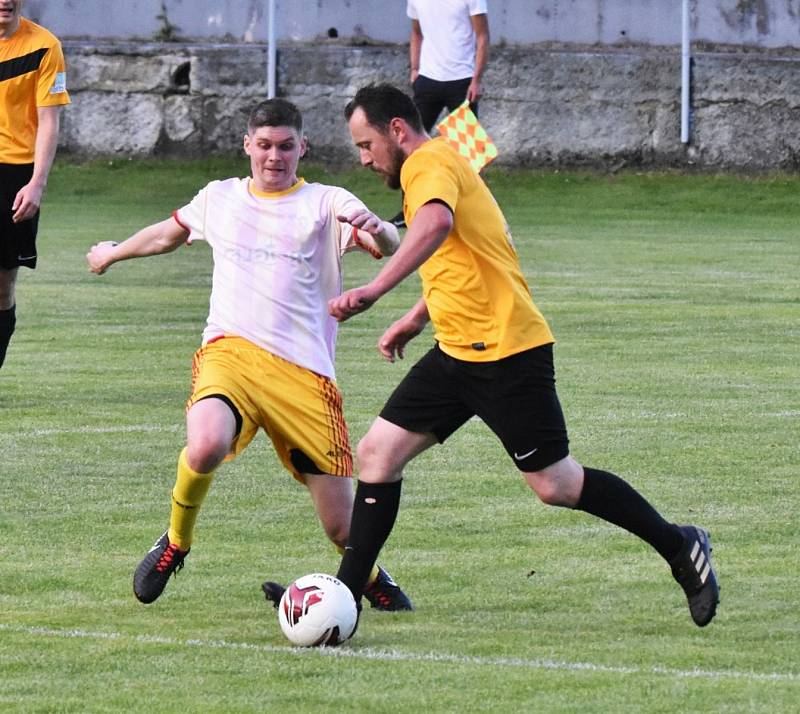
<point x="374" y="513"/>
<point x="609" y="497"/>
<point x="8" y="320"/>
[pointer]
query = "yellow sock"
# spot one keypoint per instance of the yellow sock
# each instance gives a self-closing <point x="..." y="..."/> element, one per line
<point x="373" y="576"/>
<point x="188" y="495"/>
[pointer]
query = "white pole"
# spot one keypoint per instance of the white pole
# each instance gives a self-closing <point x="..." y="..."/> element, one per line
<point x="271" y="52"/>
<point x="686" y="73"/>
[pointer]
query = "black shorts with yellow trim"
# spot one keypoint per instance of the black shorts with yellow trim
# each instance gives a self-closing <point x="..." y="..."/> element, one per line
<point x="300" y="410"/>
<point x="17" y="240"/>
<point x="515" y="396"/>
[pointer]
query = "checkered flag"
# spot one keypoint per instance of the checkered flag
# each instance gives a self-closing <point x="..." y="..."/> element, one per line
<point x="462" y="129"/>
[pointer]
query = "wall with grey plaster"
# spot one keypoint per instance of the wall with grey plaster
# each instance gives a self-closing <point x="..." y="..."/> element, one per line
<point x="543" y="107"/>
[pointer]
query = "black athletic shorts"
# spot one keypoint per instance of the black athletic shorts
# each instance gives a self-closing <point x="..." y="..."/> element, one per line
<point x="516" y="398"/>
<point x="17" y="240"/>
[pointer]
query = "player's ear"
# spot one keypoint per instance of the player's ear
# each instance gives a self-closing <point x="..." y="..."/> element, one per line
<point x="246" y="144"/>
<point x="303" y="146"/>
<point x="397" y="129"/>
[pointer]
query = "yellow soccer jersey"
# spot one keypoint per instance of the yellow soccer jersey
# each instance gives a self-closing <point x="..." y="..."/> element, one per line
<point x="478" y="300"/>
<point x="32" y="74"/>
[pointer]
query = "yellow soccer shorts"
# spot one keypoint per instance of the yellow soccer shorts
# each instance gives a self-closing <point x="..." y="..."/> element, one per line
<point x="300" y="410"/>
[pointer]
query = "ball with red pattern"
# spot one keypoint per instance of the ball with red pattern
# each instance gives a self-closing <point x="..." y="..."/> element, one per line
<point x="317" y="610"/>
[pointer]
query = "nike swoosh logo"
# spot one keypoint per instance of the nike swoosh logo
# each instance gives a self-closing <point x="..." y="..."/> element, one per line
<point x="519" y="457"/>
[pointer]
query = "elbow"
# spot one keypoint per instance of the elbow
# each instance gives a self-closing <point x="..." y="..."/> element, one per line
<point x="165" y="245"/>
<point x="444" y="224"/>
<point x="169" y="236"/>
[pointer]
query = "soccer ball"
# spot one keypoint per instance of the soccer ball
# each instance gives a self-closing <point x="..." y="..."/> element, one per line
<point x="317" y="610"/>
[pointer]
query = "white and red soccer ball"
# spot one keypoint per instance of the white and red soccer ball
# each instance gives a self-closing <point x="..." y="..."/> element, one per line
<point x="317" y="610"/>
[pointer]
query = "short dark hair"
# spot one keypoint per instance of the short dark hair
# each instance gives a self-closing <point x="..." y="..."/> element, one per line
<point x="275" y="112"/>
<point x="383" y="102"/>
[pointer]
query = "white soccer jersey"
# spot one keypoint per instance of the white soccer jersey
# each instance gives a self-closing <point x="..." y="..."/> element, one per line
<point x="277" y="262"/>
<point x="448" y="41"/>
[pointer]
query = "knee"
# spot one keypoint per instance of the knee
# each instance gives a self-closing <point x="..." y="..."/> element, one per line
<point x="368" y="454"/>
<point x="559" y="486"/>
<point x="7" y="293"/>
<point x="205" y="453"/>
<point x="385" y="449"/>
<point x="375" y="465"/>
<point x="548" y="490"/>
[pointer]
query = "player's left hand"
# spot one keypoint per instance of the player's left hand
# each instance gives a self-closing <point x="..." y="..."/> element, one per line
<point x="392" y="344"/>
<point x="352" y="302"/>
<point x="474" y="91"/>
<point x="26" y="202"/>
<point x="363" y="220"/>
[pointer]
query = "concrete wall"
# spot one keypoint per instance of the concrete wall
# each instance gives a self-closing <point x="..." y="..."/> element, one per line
<point x="543" y="107"/>
<point x="762" y="23"/>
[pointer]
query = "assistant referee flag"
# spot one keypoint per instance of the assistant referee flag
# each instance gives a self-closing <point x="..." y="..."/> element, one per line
<point x="463" y="130"/>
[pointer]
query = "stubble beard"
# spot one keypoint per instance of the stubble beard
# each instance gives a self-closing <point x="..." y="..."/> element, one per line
<point x="392" y="177"/>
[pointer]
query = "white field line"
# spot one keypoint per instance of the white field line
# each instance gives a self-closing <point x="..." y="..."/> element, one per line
<point x="352" y="652"/>
<point x="132" y="428"/>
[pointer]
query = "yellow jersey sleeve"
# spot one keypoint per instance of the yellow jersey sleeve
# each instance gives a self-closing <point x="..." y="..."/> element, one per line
<point x="51" y="89"/>
<point x="424" y="185"/>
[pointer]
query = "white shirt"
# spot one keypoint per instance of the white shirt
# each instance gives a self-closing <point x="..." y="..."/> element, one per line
<point x="277" y="262"/>
<point x="448" y="40"/>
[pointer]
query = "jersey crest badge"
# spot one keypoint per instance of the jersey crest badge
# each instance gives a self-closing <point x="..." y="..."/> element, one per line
<point x="60" y="83"/>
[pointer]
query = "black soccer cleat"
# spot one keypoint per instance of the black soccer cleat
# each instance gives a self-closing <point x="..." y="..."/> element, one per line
<point x="273" y="592"/>
<point x="398" y="221"/>
<point x="385" y="594"/>
<point x="694" y="572"/>
<point x="152" y="574"/>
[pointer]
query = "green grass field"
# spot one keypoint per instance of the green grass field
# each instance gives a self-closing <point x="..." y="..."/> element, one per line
<point x="675" y="303"/>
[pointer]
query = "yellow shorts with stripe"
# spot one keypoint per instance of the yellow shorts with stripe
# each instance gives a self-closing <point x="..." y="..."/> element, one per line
<point x="300" y="410"/>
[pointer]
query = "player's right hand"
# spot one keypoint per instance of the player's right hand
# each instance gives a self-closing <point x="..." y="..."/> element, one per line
<point x="351" y="302"/>
<point x="99" y="256"/>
